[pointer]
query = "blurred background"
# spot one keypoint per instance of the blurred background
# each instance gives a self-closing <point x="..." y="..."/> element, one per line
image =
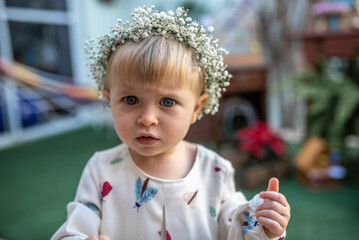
<point x="291" y="111"/>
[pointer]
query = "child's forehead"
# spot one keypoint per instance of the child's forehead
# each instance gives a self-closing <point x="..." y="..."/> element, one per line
<point x="170" y="83"/>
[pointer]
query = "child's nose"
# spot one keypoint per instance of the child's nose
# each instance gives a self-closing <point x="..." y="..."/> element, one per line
<point x="147" y="117"/>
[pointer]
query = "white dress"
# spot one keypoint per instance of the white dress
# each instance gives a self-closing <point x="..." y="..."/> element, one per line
<point x="117" y="199"/>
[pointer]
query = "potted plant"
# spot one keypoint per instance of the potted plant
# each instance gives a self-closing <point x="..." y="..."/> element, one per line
<point x="331" y="90"/>
<point x="261" y="143"/>
<point x="262" y="155"/>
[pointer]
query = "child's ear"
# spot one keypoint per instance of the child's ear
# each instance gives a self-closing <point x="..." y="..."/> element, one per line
<point x="201" y="101"/>
<point x="107" y="94"/>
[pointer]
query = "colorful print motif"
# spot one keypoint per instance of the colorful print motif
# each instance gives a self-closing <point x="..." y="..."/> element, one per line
<point x="143" y="194"/>
<point x="191" y="199"/>
<point x="212" y="211"/>
<point x="168" y="236"/>
<point x="106" y="189"/>
<point x="91" y="206"/>
<point x="249" y="222"/>
<point x="117" y="160"/>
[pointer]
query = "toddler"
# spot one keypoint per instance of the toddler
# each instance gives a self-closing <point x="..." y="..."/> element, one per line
<point x="160" y="73"/>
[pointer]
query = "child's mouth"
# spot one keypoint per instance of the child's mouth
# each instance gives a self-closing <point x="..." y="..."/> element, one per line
<point x="147" y="140"/>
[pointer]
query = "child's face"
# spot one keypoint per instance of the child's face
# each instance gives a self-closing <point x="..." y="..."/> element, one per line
<point x="153" y="120"/>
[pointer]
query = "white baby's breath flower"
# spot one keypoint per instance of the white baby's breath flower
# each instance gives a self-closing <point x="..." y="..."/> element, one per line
<point x="145" y="34"/>
<point x="193" y="44"/>
<point x="173" y="27"/>
<point x="181" y="21"/>
<point x="179" y="11"/>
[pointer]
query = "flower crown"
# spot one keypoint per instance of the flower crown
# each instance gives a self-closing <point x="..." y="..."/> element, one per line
<point x="147" y="22"/>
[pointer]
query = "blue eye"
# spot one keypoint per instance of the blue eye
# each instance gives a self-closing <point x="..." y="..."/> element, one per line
<point x="130" y="100"/>
<point x="168" y="102"/>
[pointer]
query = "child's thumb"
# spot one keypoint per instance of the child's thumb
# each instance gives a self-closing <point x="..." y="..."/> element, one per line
<point x="273" y="185"/>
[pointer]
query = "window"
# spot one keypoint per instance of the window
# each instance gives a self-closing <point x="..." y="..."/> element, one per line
<point x="40" y="4"/>
<point x="40" y="35"/>
<point x="42" y="46"/>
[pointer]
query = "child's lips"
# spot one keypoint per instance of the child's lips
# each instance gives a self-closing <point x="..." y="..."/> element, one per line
<point x="147" y="140"/>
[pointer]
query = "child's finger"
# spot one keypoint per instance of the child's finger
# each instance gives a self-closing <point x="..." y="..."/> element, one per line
<point x="273" y="205"/>
<point x="274" y="216"/>
<point x="103" y="237"/>
<point x="274" y="196"/>
<point x="273" y="185"/>
<point x="92" y="238"/>
<point x="274" y="228"/>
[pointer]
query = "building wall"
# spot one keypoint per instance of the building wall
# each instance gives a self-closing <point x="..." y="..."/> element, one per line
<point x="98" y="17"/>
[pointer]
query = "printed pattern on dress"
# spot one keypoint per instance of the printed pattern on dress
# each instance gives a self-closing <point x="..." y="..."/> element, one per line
<point x="143" y="194"/>
<point x="91" y="206"/>
<point x="117" y="160"/>
<point x="106" y="189"/>
<point x="249" y="223"/>
<point x="212" y="211"/>
<point x="168" y="236"/>
<point x="190" y="199"/>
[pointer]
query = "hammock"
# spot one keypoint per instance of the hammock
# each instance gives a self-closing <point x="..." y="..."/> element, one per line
<point x="30" y="77"/>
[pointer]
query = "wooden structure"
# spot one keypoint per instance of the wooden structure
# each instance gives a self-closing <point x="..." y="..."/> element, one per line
<point x="248" y="82"/>
<point x="330" y="44"/>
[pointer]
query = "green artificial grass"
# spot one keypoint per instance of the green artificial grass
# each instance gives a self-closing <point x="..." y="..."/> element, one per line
<point x="38" y="179"/>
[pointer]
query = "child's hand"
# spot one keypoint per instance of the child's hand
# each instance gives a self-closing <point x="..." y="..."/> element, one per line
<point x="101" y="237"/>
<point x="274" y="213"/>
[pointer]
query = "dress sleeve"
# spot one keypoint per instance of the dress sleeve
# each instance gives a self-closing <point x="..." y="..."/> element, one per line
<point x="84" y="213"/>
<point x="237" y="218"/>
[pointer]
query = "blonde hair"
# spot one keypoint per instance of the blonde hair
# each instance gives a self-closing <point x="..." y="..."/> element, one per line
<point x="153" y="61"/>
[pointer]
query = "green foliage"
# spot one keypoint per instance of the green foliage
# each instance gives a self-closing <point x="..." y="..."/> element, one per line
<point x="332" y="92"/>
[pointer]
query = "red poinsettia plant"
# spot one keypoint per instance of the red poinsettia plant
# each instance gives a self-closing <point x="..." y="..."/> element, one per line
<point x="260" y="141"/>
